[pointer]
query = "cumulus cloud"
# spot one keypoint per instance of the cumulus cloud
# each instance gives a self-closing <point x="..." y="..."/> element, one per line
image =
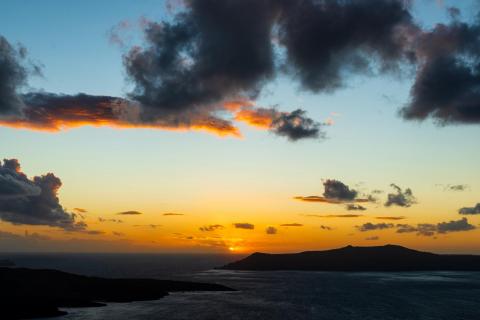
<point x="374" y="226"/>
<point x="212" y="227"/>
<point x="271" y="230"/>
<point x="470" y="210"/>
<point x="129" y="213"/>
<point x="447" y="81"/>
<point x="244" y="225"/>
<point x="335" y="192"/>
<point x="400" y="198"/>
<point x="33" y="201"/>
<point x="455" y="226"/>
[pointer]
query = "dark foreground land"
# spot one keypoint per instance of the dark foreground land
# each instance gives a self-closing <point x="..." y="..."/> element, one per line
<point x="29" y="293"/>
<point x="381" y="258"/>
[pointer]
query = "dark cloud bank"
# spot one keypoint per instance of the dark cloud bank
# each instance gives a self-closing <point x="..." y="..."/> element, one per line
<point x="203" y="68"/>
<point x="423" y="229"/>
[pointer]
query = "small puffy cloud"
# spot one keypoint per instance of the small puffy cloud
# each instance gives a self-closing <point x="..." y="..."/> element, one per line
<point x="470" y="210"/>
<point x="212" y="227"/>
<point x="335" y="192"/>
<point x="244" y="225"/>
<point x="374" y="226"/>
<point x="291" y="225"/>
<point x="455" y="226"/>
<point x="118" y="234"/>
<point x="129" y="213"/>
<point x="400" y="198"/>
<point x="457" y="187"/>
<point x="271" y="230"/>
<point x="325" y="227"/>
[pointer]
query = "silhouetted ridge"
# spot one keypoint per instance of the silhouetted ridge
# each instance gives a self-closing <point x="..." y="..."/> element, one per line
<point x="350" y="258"/>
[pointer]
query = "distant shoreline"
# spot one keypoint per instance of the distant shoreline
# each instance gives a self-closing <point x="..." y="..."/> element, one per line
<point x="29" y="293"/>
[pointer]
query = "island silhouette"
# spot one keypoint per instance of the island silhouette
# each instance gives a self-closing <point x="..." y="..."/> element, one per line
<point x="30" y="293"/>
<point x="350" y="258"/>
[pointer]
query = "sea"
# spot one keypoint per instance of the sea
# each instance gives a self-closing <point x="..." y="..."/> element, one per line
<point x="270" y="295"/>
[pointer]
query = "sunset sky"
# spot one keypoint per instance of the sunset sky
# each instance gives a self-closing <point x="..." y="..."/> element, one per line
<point x="172" y="149"/>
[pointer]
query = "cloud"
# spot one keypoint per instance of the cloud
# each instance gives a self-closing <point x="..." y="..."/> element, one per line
<point x="292" y="125"/>
<point x="391" y="218"/>
<point x="80" y="210"/>
<point x="152" y="226"/>
<point x="33" y="201"/>
<point x="457" y="187"/>
<point x="374" y="238"/>
<point x="328" y="41"/>
<point x="470" y="210"/>
<point x="94" y="232"/>
<point x="334" y="215"/>
<point x="325" y="227"/>
<point x="400" y="198"/>
<point x="100" y="219"/>
<point x="447" y="80"/>
<point x="354" y="207"/>
<point x="118" y="234"/>
<point x="291" y="225"/>
<point x="374" y="226"/>
<point x="335" y="192"/>
<point x="429" y="229"/>
<point x="244" y="225"/>
<point x="195" y="62"/>
<point x="212" y="227"/>
<point x="129" y="213"/>
<point x="455" y="226"/>
<point x="271" y="230"/>
<point x="172" y="214"/>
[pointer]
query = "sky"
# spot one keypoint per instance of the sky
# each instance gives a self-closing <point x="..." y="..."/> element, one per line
<point x="356" y="124"/>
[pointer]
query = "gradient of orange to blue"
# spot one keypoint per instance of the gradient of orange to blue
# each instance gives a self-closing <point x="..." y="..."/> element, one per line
<point x="210" y="180"/>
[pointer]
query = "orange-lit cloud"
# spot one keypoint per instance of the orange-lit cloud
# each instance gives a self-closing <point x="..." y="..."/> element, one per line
<point x="327" y="200"/>
<point x="334" y="215"/>
<point x="391" y="218"/>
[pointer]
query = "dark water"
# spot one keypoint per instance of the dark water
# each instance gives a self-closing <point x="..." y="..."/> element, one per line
<point x="281" y="295"/>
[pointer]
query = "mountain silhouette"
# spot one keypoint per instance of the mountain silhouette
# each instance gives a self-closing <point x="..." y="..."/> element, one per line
<point x="349" y="258"/>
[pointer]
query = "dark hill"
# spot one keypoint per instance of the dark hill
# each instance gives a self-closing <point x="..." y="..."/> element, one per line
<point x="381" y="258"/>
<point x="28" y="293"/>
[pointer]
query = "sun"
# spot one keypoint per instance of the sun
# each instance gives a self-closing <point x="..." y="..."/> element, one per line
<point x="231" y="248"/>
